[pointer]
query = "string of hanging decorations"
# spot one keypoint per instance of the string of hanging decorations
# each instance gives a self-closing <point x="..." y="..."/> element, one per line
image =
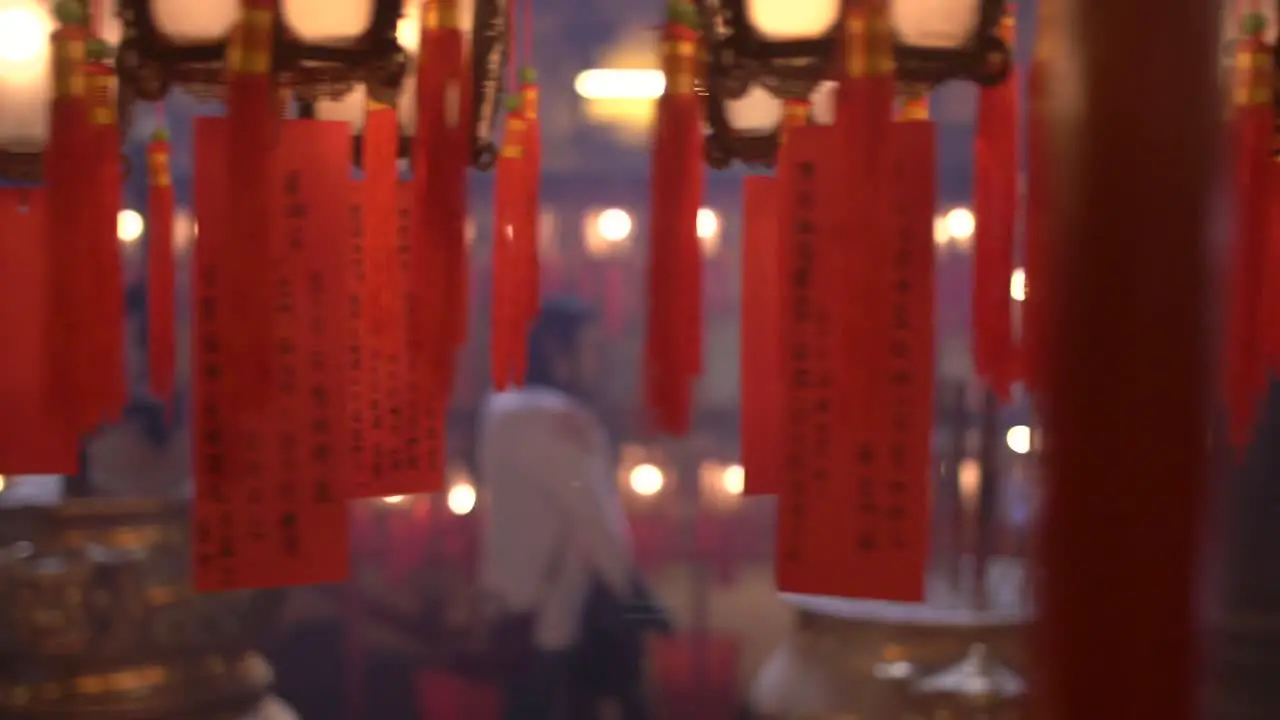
<point x="328" y="311"/>
<point x="829" y="107"/>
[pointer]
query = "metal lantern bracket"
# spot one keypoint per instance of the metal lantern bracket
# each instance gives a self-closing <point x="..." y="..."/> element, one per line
<point x="149" y="63"/>
<point x="490" y="52"/>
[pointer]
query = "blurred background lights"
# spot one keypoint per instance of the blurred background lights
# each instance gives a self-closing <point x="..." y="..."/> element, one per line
<point x="610" y="84"/>
<point x="940" y="235"/>
<point x="969" y="480"/>
<point x="614" y="225"/>
<point x="1019" y="439"/>
<point x="185" y="230"/>
<point x="734" y="479"/>
<point x="646" y="479"/>
<point x="708" y="223"/>
<point x="129" y="225"/>
<point x="393" y="499"/>
<point x="24" y="33"/>
<point x="708" y="229"/>
<point x="461" y="498"/>
<point x="1018" y="285"/>
<point x="960" y="223"/>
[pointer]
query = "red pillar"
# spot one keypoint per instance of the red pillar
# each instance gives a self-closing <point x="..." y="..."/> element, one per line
<point x="1134" y="120"/>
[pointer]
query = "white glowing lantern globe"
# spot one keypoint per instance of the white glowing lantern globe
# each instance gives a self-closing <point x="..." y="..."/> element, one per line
<point x="780" y="21"/>
<point x="823" y="101"/>
<point x="646" y="480"/>
<point x="330" y="23"/>
<point x="757" y="112"/>
<point x="935" y="24"/>
<point x="195" y="23"/>
<point x="350" y="108"/>
<point x="26" y="74"/>
<point x="327" y="23"/>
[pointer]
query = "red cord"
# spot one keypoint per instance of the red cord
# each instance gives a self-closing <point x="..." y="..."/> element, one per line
<point x="528" y="33"/>
<point x="512" y="59"/>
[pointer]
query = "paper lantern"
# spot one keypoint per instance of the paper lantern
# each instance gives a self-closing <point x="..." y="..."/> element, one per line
<point x="940" y="40"/>
<point x="26" y="84"/>
<point x="764" y="52"/>
<point x="761" y="53"/>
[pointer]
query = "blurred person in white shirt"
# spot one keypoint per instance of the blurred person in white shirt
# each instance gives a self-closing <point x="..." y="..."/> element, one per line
<point x="556" y="544"/>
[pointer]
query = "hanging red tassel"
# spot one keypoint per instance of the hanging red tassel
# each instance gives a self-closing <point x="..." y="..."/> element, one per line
<point x="106" y="282"/>
<point x="161" y="341"/>
<point x="525" y="233"/>
<point x="69" y="316"/>
<point x="673" y="336"/>
<point x="995" y="207"/>
<point x="1252" y="128"/>
<point x="507" y="312"/>
<point x="253" y="125"/>
<point x="442" y="152"/>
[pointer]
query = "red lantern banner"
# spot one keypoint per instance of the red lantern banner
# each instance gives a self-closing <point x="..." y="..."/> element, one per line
<point x="808" y="559"/>
<point x="374" y="309"/>
<point x="161" y="340"/>
<point x="269" y="508"/>
<point x="424" y="403"/>
<point x="364" y="376"/>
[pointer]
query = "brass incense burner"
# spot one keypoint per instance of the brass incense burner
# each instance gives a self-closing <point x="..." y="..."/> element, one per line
<point x="870" y="660"/>
<point x="98" y="619"/>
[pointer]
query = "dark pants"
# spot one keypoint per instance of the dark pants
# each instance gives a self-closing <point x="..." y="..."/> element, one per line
<point x="547" y="690"/>
<point x="612" y="667"/>
<point x="560" y="686"/>
<point x="313" y="675"/>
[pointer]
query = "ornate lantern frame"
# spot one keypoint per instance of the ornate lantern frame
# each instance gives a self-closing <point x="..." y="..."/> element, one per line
<point x="149" y="63"/>
<point x="490" y="52"/>
<point x="738" y="57"/>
